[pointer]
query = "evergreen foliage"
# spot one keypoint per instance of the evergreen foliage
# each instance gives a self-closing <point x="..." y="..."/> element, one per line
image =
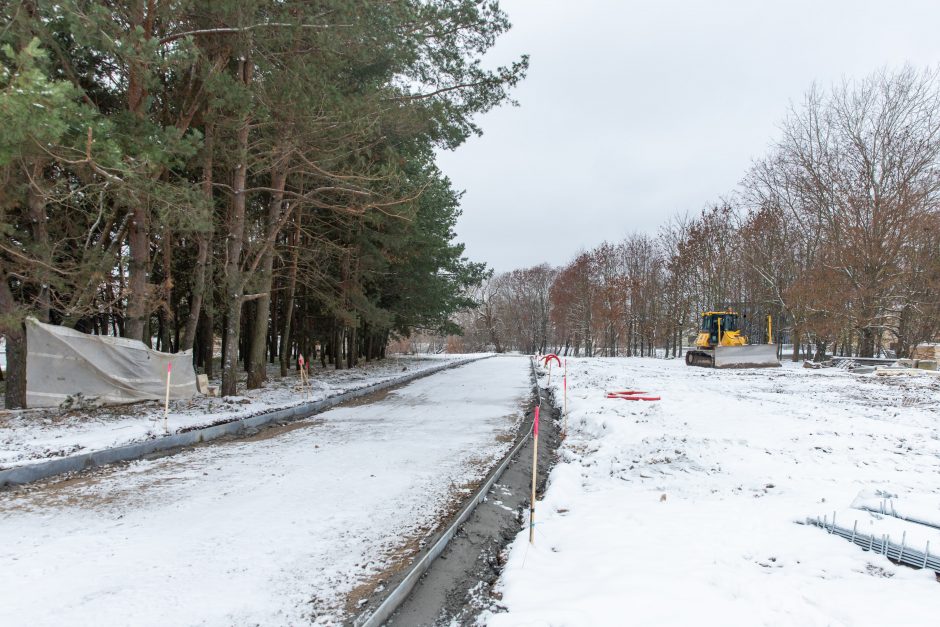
<point x="175" y="171"/>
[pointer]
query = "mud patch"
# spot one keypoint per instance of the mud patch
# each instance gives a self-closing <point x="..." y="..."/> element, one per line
<point x="381" y="395"/>
<point x="276" y="429"/>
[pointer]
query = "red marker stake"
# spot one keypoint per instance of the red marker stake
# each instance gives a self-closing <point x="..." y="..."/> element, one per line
<point x="535" y="455"/>
<point x="548" y="362"/>
<point x="166" y="403"/>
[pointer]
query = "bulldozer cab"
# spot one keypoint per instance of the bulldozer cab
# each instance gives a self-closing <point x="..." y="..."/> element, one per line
<point x="729" y="322"/>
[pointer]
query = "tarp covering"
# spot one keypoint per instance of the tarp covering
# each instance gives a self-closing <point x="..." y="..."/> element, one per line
<point x="63" y="365"/>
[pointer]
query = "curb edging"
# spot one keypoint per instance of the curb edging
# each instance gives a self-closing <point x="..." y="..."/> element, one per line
<point x="128" y="452"/>
<point x="391" y="603"/>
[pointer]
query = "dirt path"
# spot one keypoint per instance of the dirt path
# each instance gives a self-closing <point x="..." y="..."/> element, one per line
<point x="276" y="529"/>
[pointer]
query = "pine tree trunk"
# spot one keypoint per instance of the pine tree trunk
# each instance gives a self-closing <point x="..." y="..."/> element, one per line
<point x="15" y="397"/>
<point x="291" y="290"/>
<point x="138" y="240"/>
<point x="337" y="347"/>
<point x="163" y="332"/>
<point x="233" y="310"/>
<point x="36" y="205"/>
<point x="234" y="285"/>
<point x="197" y="294"/>
<point x="207" y="321"/>
<point x="248" y="323"/>
<point x="353" y="350"/>
<point x="11" y="326"/>
<point x="203" y="241"/>
<point x="208" y="343"/>
<point x="276" y="304"/>
<point x="138" y="236"/>
<point x="257" y="372"/>
<point x="166" y="313"/>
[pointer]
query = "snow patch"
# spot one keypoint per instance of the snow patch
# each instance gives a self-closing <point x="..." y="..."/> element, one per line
<point x="683" y="511"/>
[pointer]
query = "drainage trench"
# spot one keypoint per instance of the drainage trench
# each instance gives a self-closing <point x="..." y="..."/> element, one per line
<point x="454" y="587"/>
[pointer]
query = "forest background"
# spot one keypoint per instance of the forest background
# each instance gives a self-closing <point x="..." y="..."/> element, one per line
<point x="261" y="176"/>
<point x="834" y="233"/>
<point x="179" y="171"/>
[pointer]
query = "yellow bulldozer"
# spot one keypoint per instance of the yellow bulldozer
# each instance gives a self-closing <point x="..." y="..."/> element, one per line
<point x="720" y="344"/>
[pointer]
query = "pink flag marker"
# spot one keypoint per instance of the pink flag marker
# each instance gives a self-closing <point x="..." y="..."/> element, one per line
<point x="535" y="426"/>
<point x="166" y="402"/>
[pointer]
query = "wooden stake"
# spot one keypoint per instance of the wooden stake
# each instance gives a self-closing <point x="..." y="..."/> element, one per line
<point x="166" y="403"/>
<point x="303" y="376"/>
<point x="565" y="388"/>
<point x="535" y="462"/>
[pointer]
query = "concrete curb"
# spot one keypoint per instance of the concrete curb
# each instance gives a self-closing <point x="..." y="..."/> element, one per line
<point x="42" y="470"/>
<point x="378" y="616"/>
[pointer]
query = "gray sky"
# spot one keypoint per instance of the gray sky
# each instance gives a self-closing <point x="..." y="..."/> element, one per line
<point x="635" y="111"/>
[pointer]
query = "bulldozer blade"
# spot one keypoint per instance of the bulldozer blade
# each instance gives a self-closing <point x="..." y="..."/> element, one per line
<point x="751" y="356"/>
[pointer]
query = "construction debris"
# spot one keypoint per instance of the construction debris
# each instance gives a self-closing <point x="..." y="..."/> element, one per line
<point x="926" y="351"/>
<point x="903" y="532"/>
<point x="899" y="552"/>
<point x="887" y="371"/>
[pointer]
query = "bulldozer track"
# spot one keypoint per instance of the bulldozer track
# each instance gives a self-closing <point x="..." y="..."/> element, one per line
<point x="699" y="358"/>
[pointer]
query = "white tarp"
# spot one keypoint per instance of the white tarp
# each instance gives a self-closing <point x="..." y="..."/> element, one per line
<point x="63" y="363"/>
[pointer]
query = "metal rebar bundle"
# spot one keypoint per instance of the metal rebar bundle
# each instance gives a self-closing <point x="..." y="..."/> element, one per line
<point x="900" y="553"/>
<point x="886" y="508"/>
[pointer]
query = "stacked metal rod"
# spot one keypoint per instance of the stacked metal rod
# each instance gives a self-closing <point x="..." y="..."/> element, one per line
<point x="882" y="545"/>
<point x="886" y="508"/>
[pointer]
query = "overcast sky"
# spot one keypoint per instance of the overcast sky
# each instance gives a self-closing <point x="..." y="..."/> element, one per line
<point x="634" y="111"/>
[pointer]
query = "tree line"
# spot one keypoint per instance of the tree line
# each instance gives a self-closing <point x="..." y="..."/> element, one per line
<point x="256" y="173"/>
<point x="835" y="233"/>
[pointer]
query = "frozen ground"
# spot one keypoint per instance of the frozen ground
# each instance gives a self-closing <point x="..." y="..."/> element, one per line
<point x="277" y="530"/>
<point x="33" y="435"/>
<point x="682" y="511"/>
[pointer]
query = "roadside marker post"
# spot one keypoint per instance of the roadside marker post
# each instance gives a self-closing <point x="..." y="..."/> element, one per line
<point x="535" y="461"/>
<point x="564" y="385"/>
<point x="166" y="403"/>
<point x="548" y="362"/>
<point x="303" y="375"/>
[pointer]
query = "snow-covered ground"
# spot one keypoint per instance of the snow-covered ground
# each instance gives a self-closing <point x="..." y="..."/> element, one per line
<point x="33" y="435"/>
<point x="682" y="511"/>
<point x="276" y="530"/>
